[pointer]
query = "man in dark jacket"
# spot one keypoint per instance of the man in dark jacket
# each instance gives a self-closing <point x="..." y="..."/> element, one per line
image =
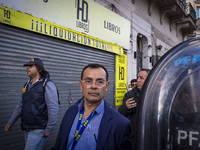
<point x="38" y="107"/>
<point x="91" y="124"/>
<point x="131" y="105"/>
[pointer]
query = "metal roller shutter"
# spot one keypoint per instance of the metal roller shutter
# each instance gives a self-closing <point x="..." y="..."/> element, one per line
<point x="62" y="59"/>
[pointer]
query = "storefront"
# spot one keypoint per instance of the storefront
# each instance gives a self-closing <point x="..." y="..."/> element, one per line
<point x="64" y="49"/>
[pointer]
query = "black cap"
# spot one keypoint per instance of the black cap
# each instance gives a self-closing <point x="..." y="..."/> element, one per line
<point x="35" y="61"/>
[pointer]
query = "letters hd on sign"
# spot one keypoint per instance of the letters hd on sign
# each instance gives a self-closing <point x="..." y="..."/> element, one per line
<point x="82" y="10"/>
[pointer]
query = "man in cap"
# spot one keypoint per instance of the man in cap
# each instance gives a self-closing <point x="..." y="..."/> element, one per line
<point x="38" y="107"/>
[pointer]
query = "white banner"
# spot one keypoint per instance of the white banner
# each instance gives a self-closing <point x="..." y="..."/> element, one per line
<point x="84" y="16"/>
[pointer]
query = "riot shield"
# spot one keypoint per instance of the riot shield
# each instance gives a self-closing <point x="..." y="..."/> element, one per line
<point x="170" y="112"/>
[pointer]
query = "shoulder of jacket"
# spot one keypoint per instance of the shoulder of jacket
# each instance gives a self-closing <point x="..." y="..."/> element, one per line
<point x="113" y="112"/>
<point x="117" y="116"/>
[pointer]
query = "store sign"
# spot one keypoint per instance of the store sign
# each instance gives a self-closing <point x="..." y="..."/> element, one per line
<point x="121" y="78"/>
<point x="31" y="23"/>
<point x="85" y="16"/>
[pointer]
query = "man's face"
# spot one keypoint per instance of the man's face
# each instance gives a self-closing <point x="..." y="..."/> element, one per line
<point x="94" y="85"/>
<point x="141" y="77"/>
<point x="133" y="84"/>
<point x="32" y="71"/>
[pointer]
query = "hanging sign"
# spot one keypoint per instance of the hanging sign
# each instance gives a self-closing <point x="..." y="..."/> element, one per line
<point x="121" y="78"/>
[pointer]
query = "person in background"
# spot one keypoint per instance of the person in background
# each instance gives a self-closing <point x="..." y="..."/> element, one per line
<point x="38" y="107"/>
<point x="132" y="84"/>
<point x="131" y="105"/>
<point x="91" y="123"/>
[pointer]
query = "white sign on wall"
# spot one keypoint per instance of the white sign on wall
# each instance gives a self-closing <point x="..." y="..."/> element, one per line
<point x="84" y="16"/>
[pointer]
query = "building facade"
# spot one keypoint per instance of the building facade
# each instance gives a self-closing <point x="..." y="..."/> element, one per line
<point x="156" y="27"/>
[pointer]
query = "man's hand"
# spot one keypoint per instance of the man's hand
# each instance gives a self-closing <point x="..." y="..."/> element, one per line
<point x="130" y="103"/>
<point x="45" y="134"/>
<point x="7" y="127"/>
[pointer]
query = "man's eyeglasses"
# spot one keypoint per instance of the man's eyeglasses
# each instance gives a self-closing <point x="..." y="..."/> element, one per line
<point x="97" y="82"/>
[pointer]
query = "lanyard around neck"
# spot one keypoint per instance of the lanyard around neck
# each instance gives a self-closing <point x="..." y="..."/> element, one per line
<point x="78" y="132"/>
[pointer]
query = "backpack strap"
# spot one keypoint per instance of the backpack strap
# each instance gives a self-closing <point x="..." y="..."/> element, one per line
<point x="24" y="89"/>
<point x="44" y="84"/>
